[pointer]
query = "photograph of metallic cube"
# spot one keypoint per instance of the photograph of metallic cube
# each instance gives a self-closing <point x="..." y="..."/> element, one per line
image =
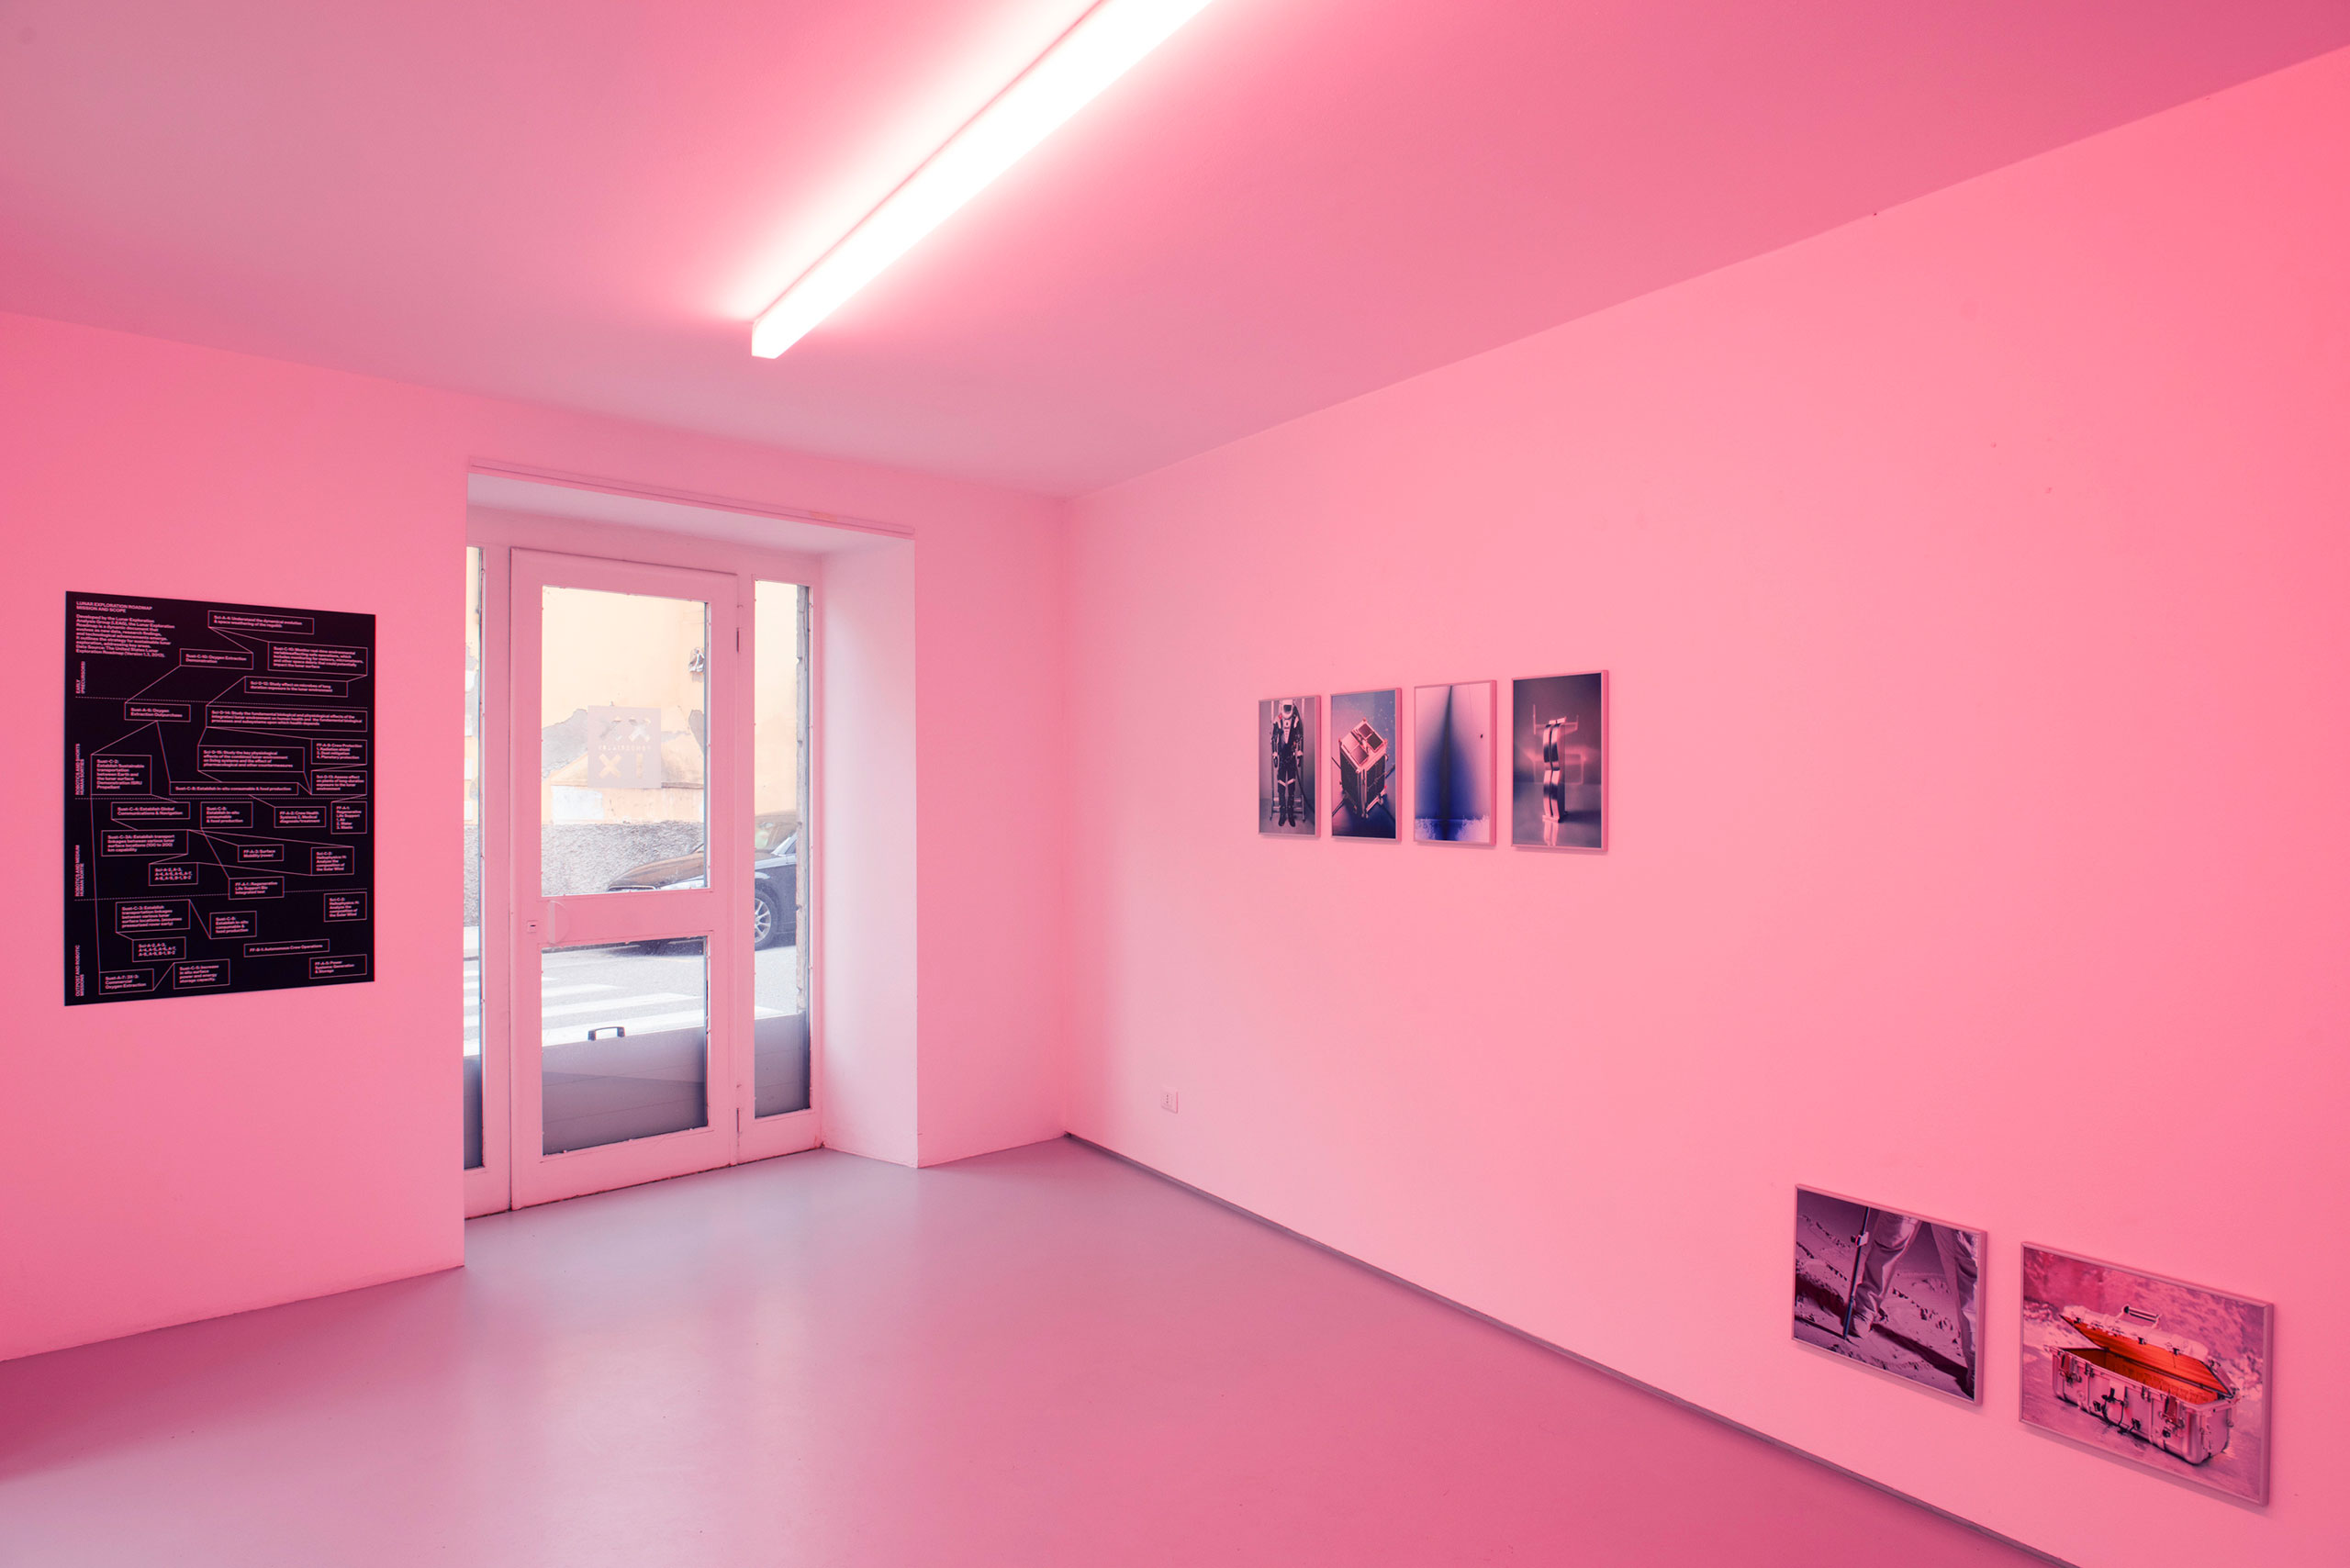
<point x="1890" y="1290"/>
<point x="1288" y="745"/>
<point x="2162" y="1374"/>
<point x="1362" y="803"/>
<point x="1452" y="763"/>
<point x="1557" y="745"/>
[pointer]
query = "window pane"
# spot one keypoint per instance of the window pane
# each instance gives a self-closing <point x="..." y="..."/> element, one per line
<point x="779" y="1016"/>
<point x="623" y="743"/>
<point x="472" y="857"/>
<point x="625" y="1038"/>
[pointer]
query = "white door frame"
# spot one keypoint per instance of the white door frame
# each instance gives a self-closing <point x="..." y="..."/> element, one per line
<point x="513" y="1174"/>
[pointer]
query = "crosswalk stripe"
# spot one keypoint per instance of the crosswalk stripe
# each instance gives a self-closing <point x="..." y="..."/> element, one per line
<point x="473" y="992"/>
<point x="614" y="1004"/>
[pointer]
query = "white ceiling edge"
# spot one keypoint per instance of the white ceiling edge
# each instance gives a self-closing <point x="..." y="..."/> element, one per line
<point x="738" y="522"/>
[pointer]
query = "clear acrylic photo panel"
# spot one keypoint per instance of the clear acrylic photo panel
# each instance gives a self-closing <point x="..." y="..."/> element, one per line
<point x="1289" y="749"/>
<point x="2123" y="1391"/>
<point x="1838" y="1239"/>
<point x="1558" y="783"/>
<point x="1366" y="749"/>
<point x="1452" y="763"/>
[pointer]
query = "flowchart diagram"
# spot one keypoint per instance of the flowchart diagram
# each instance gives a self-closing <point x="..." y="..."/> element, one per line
<point x="219" y="830"/>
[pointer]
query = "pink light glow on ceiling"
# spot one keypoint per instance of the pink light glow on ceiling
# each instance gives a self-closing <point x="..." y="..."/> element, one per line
<point x="1290" y="203"/>
<point x="1107" y="42"/>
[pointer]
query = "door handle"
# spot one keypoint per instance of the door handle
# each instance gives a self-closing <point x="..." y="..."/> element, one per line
<point x="558" y="919"/>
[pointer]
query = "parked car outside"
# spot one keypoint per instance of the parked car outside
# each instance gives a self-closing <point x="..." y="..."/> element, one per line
<point x="775" y="873"/>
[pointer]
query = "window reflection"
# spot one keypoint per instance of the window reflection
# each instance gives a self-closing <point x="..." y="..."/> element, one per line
<point x="624" y="1033"/>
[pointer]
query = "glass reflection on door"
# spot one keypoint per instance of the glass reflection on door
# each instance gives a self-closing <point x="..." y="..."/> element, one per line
<point x="474" y="825"/>
<point x="623" y="743"/>
<point x="780" y="787"/>
<point x="625" y="777"/>
<point x="624" y="1042"/>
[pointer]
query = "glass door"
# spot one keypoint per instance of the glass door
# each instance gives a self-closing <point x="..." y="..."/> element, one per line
<point x="780" y="1087"/>
<point x="631" y="858"/>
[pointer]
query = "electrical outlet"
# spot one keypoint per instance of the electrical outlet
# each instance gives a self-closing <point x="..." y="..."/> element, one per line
<point x="1170" y="1100"/>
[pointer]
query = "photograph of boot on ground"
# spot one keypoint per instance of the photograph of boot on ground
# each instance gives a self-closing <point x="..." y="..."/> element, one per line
<point x="1891" y="1291"/>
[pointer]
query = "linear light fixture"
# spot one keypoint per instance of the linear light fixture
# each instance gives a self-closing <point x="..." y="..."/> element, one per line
<point x="1103" y="44"/>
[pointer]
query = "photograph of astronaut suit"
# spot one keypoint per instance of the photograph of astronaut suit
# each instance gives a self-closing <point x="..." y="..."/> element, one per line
<point x="1891" y="1291"/>
<point x="1288" y="759"/>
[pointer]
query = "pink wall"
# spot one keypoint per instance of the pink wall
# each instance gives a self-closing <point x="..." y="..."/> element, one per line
<point x="871" y="1069"/>
<point x="173" y="1161"/>
<point x="991" y="640"/>
<point x="1973" y="582"/>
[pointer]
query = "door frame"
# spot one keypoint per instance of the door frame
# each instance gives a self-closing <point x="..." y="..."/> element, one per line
<point x="540" y="923"/>
<point x="738" y="1133"/>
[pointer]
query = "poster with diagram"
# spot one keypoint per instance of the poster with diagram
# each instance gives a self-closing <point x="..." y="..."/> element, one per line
<point x="219" y="831"/>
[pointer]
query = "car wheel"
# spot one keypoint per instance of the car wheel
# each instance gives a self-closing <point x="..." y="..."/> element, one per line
<point x="768" y="919"/>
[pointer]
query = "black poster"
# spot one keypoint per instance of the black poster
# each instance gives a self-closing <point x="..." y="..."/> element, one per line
<point x="219" y="831"/>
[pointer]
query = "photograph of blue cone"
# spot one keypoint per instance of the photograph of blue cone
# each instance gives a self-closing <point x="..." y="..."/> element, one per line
<point x="1452" y="763"/>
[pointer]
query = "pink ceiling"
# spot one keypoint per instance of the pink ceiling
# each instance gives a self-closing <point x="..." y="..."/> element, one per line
<point x="582" y="202"/>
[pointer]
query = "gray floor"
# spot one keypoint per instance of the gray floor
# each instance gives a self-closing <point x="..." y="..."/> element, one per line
<point x="1043" y="1357"/>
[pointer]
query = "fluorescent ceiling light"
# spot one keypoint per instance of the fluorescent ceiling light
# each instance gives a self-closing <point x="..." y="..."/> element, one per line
<point x="1104" y="43"/>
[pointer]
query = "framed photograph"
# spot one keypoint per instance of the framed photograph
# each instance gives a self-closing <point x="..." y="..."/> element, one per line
<point x="2163" y="1374"/>
<point x="1363" y="763"/>
<point x="1892" y="1291"/>
<point x="1558" y="796"/>
<point x="1452" y="763"/>
<point x="1289" y="742"/>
